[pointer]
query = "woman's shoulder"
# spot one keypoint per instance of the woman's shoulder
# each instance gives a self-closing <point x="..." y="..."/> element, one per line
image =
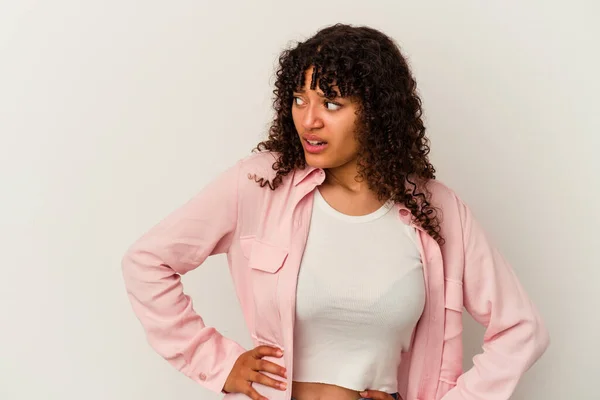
<point x="258" y="164"/>
<point x="440" y="190"/>
<point x="444" y="197"/>
<point x="256" y="171"/>
<point x="262" y="160"/>
<point x="455" y="211"/>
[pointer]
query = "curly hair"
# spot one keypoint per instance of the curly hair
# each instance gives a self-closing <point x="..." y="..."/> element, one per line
<point x="365" y="64"/>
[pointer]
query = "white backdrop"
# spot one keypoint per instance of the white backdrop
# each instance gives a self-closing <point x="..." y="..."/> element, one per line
<point x="113" y="113"/>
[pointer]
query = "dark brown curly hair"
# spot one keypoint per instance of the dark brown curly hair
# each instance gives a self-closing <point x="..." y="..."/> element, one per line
<point x="366" y="64"/>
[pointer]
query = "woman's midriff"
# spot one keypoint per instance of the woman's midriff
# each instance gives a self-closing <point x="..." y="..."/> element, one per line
<point x="322" y="391"/>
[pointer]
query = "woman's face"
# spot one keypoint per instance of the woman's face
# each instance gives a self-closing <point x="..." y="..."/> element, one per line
<point x="326" y="128"/>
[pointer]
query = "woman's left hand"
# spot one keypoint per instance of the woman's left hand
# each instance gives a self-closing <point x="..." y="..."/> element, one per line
<point x="376" y="395"/>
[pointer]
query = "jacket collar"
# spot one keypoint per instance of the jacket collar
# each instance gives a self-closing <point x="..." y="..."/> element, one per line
<point x="301" y="175"/>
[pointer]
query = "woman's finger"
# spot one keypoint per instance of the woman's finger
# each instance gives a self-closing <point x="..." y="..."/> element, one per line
<point x="253" y="394"/>
<point x="263" y="351"/>
<point x="265" y="380"/>
<point x="376" y="395"/>
<point x="268" y="366"/>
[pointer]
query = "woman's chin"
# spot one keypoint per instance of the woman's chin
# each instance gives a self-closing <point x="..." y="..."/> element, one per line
<point x="317" y="160"/>
<point x="327" y="160"/>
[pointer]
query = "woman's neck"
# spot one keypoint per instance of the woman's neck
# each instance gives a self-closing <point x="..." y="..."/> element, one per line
<point x="344" y="177"/>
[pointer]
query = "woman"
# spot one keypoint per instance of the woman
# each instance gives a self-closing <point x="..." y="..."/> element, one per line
<point x="352" y="263"/>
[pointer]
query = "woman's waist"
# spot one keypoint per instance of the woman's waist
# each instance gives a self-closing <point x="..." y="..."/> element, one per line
<point x="322" y="391"/>
<point x="325" y="391"/>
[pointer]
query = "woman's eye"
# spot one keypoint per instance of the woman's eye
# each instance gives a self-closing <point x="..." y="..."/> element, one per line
<point x="328" y="104"/>
<point x="334" y="106"/>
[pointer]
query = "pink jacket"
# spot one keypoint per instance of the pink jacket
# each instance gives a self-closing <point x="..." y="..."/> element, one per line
<point x="263" y="233"/>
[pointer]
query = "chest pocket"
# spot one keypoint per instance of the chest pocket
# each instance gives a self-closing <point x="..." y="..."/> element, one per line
<point x="266" y="257"/>
<point x="265" y="261"/>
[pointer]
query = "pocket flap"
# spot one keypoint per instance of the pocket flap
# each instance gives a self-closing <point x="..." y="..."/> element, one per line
<point x="454" y="295"/>
<point x="267" y="257"/>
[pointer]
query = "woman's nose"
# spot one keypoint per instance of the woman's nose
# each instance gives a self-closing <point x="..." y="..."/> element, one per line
<point x="312" y="118"/>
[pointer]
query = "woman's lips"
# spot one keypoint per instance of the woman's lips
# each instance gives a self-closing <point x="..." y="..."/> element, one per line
<point x="317" y="146"/>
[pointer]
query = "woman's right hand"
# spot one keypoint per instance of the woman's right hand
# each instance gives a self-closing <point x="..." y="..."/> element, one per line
<point x="247" y="369"/>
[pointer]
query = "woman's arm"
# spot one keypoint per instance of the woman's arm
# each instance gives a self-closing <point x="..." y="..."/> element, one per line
<point x="152" y="267"/>
<point x="515" y="335"/>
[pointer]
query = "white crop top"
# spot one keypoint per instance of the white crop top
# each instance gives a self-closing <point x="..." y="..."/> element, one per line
<point x="360" y="294"/>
